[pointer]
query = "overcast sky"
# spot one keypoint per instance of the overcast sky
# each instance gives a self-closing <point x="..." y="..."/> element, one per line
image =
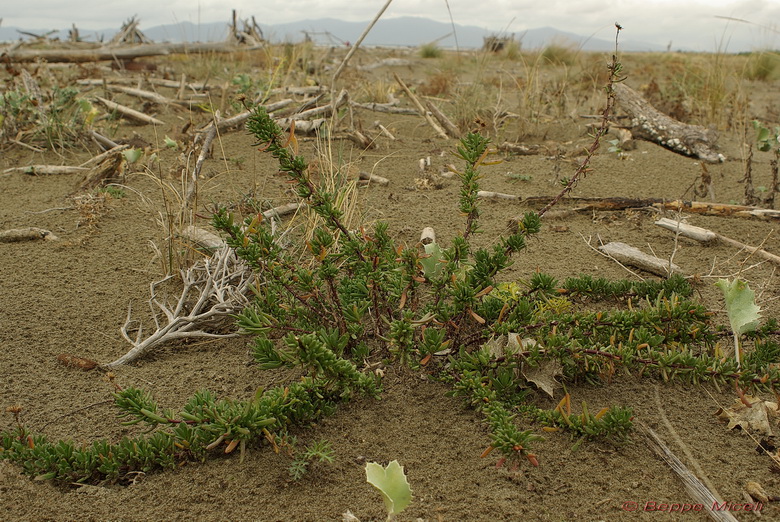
<point x="684" y="23"/>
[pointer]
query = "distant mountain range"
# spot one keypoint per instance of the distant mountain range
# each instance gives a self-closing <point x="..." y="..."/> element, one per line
<point x="405" y="31"/>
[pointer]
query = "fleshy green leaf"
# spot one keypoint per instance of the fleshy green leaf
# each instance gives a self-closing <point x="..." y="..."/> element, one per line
<point x="132" y="155"/>
<point x="431" y="265"/>
<point x="391" y="482"/>
<point x="740" y="305"/>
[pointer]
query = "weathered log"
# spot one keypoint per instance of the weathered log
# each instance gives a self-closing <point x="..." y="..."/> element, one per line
<point x="120" y="53"/>
<point x="373" y="178"/>
<point x="628" y="255"/>
<point x="650" y="124"/>
<point x="26" y="234"/>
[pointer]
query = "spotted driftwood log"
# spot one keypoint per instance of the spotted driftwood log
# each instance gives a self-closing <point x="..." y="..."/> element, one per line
<point x="650" y="124"/>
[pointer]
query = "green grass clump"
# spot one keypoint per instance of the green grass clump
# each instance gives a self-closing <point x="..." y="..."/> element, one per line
<point x="430" y="50"/>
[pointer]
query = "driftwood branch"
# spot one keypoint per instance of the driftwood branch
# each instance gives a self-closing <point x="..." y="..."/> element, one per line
<point x="41" y="170"/>
<point x="204" y="142"/>
<point x="129" y="113"/>
<point x="390" y="107"/>
<point x="451" y="129"/>
<point x="148" y="95"/>
<point x="620" y="203"/>
<point x="708" y="236"/>
<point x="423" y="112"/>
<point x="104" y="143"/>
<point x="120" y="53"/>
<point x="215" y="288"/>
<point x="520" y="150"/>
<point x="373" y="178"/>
<point x="650" y="124"/>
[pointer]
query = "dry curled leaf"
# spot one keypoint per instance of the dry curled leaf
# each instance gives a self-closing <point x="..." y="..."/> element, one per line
<point x="544" y="375"/>
<point x="71" y="361"/>
<point x="758" y="418"/>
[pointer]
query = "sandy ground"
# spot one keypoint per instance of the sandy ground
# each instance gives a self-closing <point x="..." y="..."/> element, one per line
<point x="72" y="296"/>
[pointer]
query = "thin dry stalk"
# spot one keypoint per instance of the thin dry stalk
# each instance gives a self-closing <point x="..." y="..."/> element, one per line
<point x="697" y="490"/>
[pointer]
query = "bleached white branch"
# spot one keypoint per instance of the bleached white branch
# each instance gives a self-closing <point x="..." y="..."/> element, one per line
<point x="214" y="288"/>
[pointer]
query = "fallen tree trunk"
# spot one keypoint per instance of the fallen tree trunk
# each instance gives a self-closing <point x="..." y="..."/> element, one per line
<point x="119" y="53"/>
<point x="650" y="124"/>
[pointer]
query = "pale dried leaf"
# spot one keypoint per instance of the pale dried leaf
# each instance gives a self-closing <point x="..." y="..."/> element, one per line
<point x="757" y="418"/>
<point x="544" y="376"/>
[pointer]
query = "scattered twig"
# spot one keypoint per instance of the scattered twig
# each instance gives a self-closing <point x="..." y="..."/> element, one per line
<point x="384" y="130"/>
<point x="103" y="141"/>
<point x="585" y="204"/>
<point x="204" y="141"/>
<point x="355" y="47"/>
<point x="148" y="95"/>
<point x="389" y="107"/>
<point x="520" y="150"/>
<point x="282" y="210"/>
